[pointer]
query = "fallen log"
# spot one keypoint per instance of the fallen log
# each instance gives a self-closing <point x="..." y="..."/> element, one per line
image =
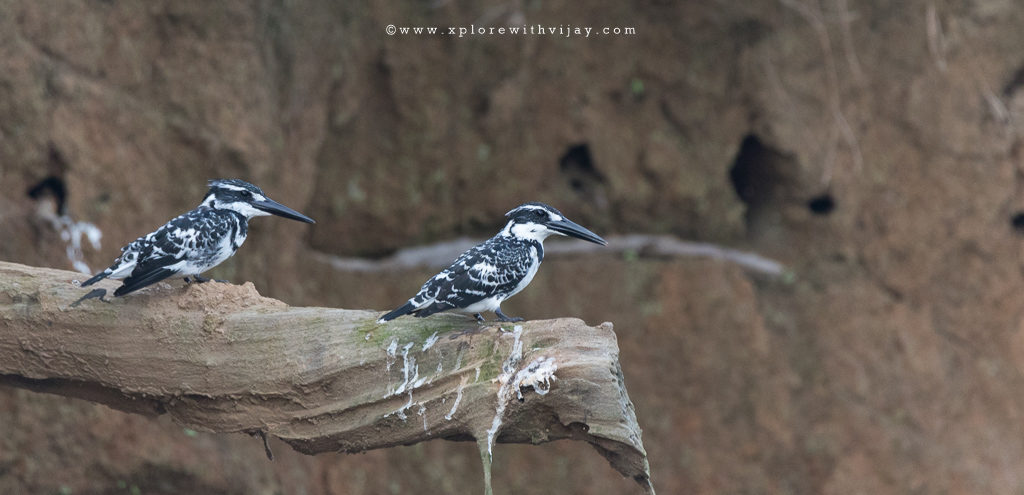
<point x="221" y="358"/>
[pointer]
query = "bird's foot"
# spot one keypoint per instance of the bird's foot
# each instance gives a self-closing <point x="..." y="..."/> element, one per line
<point x="504" y="317"/>
<point x="93" y="294"/>
<point x="479" y="318"/>
<point x="201" y="280"/>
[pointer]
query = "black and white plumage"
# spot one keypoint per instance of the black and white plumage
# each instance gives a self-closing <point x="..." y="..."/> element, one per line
<point x="197" y="240"/>
<point x="495" y="270"/>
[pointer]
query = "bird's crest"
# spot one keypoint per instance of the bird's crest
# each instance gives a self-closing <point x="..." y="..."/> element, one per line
<point x="234" y="185"/>
<point x="533" y="205"/>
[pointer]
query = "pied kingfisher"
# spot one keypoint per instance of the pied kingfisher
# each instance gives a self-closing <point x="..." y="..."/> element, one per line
<point x="196" y="241"/>
<point x="495" y="270"/>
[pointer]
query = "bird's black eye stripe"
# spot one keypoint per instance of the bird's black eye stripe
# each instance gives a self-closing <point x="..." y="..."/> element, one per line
<point x="540" y="213"/>
<point x="246" y="194"/>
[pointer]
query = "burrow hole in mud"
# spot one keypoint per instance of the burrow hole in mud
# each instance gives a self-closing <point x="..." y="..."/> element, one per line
<point x="822" y="205"/>
<point x="52" y="187"/>
<point x="759" y="173"/>
<point x="577" y="166"/>
<point x="1017" y="222"/>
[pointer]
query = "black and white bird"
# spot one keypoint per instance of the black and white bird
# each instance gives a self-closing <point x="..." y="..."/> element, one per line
<point x="196" y="241"/>
<point x="489" y="273"/>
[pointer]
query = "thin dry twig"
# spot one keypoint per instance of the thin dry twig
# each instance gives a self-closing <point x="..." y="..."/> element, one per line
<point x="936" y="40"/>
<point x="811" y="12"/>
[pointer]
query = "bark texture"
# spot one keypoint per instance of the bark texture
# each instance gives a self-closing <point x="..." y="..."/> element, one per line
<point x="221" y="358"/>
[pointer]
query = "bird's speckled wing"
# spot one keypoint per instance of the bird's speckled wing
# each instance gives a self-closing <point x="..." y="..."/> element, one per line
<point x="193" y="239"/>
<point x="483" y="271"/>
<point x="162" y="253"/>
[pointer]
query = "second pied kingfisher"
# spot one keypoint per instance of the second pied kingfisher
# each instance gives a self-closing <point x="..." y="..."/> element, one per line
<point x="495" y="270"/>
<point x="197" y="240"/>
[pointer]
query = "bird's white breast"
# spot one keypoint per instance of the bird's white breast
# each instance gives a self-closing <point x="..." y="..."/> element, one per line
<point x="217" y="254"/>
<point x="487" y="304"/>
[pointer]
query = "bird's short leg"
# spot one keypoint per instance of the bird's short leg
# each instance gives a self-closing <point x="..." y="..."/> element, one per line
<point x="504" y="317"/>
<point x="201" y="280"/>
<point x="478" y="317"/>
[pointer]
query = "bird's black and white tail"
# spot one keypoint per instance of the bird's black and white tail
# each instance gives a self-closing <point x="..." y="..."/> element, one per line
<point x="148" y="277"/>
<point x="96" y="278"/>
<point x="405" y="309"/>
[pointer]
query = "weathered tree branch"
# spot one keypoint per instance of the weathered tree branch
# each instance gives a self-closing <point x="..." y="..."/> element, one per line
<point x="656" y="246"/>
<point x="222" y="358"/>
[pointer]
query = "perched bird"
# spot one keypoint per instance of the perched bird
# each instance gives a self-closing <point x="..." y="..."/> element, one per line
<point x="196" y="241"/>
<point x="495" y="270"/>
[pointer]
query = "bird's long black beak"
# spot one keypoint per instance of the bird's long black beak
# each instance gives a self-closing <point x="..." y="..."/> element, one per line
<point x="274" y="208"/>
<point x="572" y="229"/>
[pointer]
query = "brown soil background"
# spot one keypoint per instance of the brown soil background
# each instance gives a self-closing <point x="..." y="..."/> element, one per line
<point x="890" y="359"/>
